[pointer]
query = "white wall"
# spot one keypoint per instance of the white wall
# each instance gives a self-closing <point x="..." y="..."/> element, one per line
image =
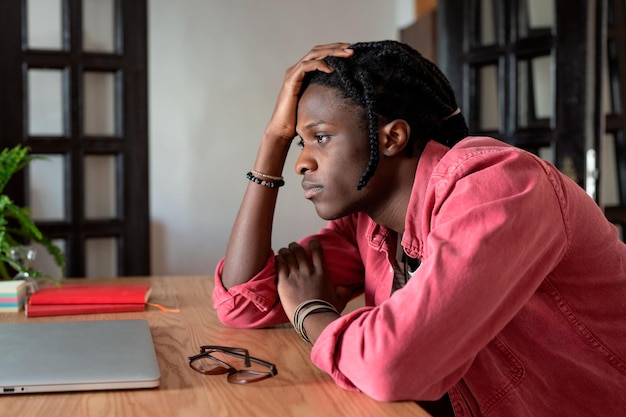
<point x="215" y="68"/>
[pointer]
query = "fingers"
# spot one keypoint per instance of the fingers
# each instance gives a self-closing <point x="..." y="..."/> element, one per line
<point x="328" y="48"/>
<point x="317" y="254"/>
<point x="302" y="276"/>
<point x="294" y="258"/>
<point x="281" y="266"/>
<point x="314" y="59"/>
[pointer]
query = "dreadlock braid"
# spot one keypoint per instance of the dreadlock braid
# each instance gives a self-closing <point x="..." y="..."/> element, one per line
<point x="372" y="125"/>
<point x="390" y="80"/>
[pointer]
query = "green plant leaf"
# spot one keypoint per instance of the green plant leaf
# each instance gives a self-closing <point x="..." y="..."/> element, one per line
<point x="13" y="160"/>
<point x="16" y="222"/>
<point x="27" y="227"/>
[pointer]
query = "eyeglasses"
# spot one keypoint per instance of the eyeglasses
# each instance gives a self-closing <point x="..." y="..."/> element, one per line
<point x="212" y="361"/>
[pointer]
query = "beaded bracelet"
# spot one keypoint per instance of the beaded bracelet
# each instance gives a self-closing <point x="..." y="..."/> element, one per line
<point x="266" y="183"/>
<point x="269" y="177"/>
<point x="307" y="308"/>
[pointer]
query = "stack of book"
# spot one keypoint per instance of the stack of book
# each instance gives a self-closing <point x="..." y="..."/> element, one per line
<point x="12" y="295"/>
<point x="87" y="299"/>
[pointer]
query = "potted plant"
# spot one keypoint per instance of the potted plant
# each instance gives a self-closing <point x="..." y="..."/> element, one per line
<point x="16" y="225"/>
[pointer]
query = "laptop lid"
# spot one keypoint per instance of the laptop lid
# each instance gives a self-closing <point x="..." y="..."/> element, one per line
<point x="77" y="356"/>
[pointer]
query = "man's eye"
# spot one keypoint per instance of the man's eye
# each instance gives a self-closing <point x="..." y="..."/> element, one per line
<point x="321" y="138"/>
<point x="301" y="143"/>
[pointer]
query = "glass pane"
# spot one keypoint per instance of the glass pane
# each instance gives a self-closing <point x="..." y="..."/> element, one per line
<point x="542" y="87"/>
<point x="535" y="14"/>
<point x="45" y="102"/>
<point x="46" y="193"/>
<point x="487" y="95"/>
<point x="609" y="186"/>
<point x="540" y="13"/>
<point x="99" y="103"/>
<point x="44" y="24"/>
<point x="100" y="185"/>
<point x="547" y="153"/>
<point x="101" y="257"/>
<point x="99" y="25"/>
<point x="591" y="172"/>
<point x="487" y="23"/>
<point x="535" y="91"/>
<point x="44" y="262"/>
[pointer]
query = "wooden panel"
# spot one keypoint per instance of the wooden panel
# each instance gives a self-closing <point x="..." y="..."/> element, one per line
<point x="422" y="35"/>
<point x="423" y="7"/>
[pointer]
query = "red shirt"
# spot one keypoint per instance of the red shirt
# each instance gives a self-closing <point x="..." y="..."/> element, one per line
<point x="518" y="307"/>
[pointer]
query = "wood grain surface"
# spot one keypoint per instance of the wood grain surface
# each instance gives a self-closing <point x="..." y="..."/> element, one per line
<point x="299" y="389"/>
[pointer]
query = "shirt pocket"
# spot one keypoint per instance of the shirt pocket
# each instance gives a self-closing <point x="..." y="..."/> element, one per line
<point x="493" y="376"/>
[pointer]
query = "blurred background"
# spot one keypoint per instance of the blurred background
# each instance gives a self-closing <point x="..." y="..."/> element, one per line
<point x="149" y="112"/>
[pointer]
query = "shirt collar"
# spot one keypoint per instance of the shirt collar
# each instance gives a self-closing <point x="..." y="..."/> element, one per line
<point x="413" y="238"/>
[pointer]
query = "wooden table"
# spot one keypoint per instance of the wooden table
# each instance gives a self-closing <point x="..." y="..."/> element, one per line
<point x="299" y="389"/>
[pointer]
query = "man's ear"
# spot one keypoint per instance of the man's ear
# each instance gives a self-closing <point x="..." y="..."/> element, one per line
<point x="394" y="137"/>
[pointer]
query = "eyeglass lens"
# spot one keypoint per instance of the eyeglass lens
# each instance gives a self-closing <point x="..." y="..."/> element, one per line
<point x="243" y="376"/>
<point x="210" y="366"/>
<point x="219" y="363"/>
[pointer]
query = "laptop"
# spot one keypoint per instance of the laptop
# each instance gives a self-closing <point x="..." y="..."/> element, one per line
<point x="77" y="356"/>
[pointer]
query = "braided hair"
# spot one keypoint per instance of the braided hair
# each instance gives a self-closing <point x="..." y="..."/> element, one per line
<point x="390" y="80"/>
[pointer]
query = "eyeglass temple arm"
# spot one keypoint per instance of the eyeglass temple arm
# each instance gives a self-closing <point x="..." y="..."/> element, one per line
<point x="265" y="363"/>
<point x="233" y="351"/>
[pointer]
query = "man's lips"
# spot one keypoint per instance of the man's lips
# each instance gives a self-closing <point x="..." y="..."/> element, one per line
<point x="310" y="189"/>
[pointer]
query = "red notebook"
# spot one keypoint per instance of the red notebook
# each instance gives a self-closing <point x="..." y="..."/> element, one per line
<point x="87" y="298"/>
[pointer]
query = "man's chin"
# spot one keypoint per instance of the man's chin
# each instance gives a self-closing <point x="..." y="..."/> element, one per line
<point x="325" y="214"/>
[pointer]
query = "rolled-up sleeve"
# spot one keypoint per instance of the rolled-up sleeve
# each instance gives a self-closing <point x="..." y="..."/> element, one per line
<point x="252" y="304"/>
<point x="255" y="303"/>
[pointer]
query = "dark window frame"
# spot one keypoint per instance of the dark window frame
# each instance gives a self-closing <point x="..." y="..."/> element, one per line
<point x="129" y="146"/>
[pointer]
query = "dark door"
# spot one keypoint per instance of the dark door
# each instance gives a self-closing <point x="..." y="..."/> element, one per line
<point x="73" y="80"/>
<point x="613" y="179"/>
<point x="531" y="72"/>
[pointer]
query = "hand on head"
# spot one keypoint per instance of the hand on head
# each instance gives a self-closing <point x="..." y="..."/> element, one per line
<point x="283" y="122"/>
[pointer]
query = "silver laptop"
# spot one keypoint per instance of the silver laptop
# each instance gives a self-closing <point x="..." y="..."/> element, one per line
<point x="77" y="356"/>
